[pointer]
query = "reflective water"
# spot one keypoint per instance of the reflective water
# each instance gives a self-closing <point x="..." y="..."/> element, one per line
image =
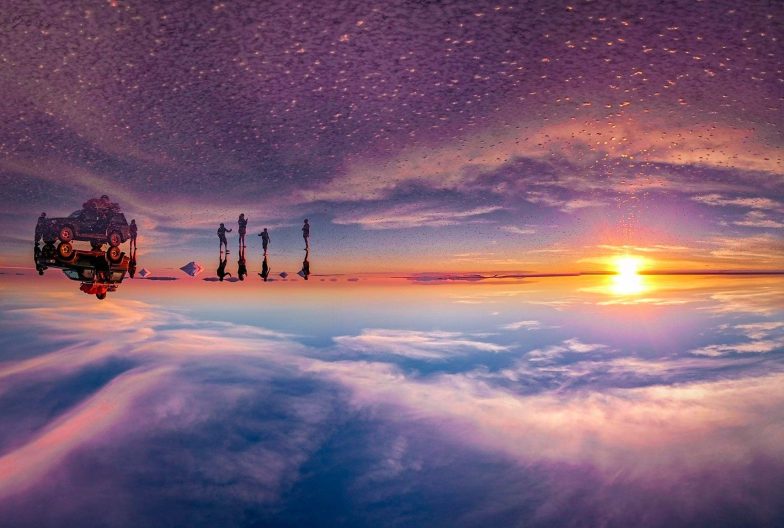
<point x="579" y="401"/>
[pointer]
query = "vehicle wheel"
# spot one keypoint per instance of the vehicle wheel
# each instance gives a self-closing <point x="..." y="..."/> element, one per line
<point x="66" y="234"/>
<point x="113" y="254"/>
<point x="101" y="296"/>
<point x="96" y="246"/>
<point x="65" y="250"/>
<point x="115" y="239"/>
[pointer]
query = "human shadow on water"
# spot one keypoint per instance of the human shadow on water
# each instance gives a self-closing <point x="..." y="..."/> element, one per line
<point x="99" y="272"/>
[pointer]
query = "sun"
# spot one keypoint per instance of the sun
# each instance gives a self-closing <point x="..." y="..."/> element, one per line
<point x="627" y="280"/>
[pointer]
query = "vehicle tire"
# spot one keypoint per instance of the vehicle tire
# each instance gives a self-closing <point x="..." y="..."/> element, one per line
<point x="100" y="296"/>
<point x="65" y="250"/>
<point x="66" y="234"/>
<point x="115" y="239"/>
<point x="96" y="246"/>
<point x="113" y="255"/>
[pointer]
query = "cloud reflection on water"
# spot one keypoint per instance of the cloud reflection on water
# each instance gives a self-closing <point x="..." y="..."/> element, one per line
<point x="238" y="416"/>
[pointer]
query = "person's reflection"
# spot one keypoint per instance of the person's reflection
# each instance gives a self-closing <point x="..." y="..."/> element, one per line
<point x="40" y="265"/>
<point x="132" y="263"/>
<point x="221" y="271"/>
<point x="265" y="269"/>
<point x="40" y="228"/>
<point x="305" y="272"/>
<point x="242" y="268"/>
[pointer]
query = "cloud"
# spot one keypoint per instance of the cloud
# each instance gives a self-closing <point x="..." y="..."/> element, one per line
<point x="758" y="249"/>
<point x="748" y="202"/>
<point x="572" y="345"/>
<point x="758" y="219"/>
<point x="528" y="325"/>
<point x="752" y="347"/>
<point x="185" y="378"/>
<point x="413" y="215"/>
<point x="759" y="330"/>
<point x="612" y="430"/>
<point x="516" y="230"/>
<point x="22" y="467"/>
<point x="563" y="205"/>
<point x="762" y="338"/>
<point x="428" y="346"/>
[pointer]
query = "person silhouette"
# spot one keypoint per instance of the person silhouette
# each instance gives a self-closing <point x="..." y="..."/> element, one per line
<point x="242" y="222"/>
<point x="223" y="243"/>
<point x="265" y="240"/>
<point x="242" y="268"/>
<point x="40" y="226"/>
<point x="265" y="270"/>
<point x="306" y="233"/>
<point x="221" y="271"/>
<point x="133" y="231"/>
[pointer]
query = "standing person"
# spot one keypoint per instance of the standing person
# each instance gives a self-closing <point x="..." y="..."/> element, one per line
<point x="306" y="233"/>
<point x="40" y="226"/>
<point x="222" y="238"/>
<point x="265" y="240"/>
<point x="242" y="222"/>
<point x="133" y="231"/>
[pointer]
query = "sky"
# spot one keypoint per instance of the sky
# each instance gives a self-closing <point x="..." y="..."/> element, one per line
<point x="416" y="136"/>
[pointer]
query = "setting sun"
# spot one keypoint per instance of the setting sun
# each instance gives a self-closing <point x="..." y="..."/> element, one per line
<point x="627" y="280"/>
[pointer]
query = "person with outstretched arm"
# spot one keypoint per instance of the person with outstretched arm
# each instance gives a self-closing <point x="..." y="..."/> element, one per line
<point x="222" y="237"/>
<point x="265" y="239"/>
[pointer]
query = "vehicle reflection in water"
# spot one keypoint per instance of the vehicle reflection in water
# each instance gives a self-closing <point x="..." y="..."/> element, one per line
<point x="100" y="272"/>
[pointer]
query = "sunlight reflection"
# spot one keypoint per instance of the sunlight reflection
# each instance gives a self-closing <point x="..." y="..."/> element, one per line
<point x="628" y="281"/>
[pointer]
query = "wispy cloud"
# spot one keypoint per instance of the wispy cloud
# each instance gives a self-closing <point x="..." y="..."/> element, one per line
<point x="430" y="346"/>
<point x="739" y="201"/>
<point x="759" y="219"/>
<point x="519" y="325"/>
<point x="414" y="215"/>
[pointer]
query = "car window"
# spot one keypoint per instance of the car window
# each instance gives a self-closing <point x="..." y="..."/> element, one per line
<point x="71" y="274"/>
<point x="88" y="273"/>
<point x="75" y="214"/>
<point x="117" y="275"/>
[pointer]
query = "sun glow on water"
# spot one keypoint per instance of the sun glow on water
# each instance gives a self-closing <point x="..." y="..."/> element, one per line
<point x="628" y="280"/>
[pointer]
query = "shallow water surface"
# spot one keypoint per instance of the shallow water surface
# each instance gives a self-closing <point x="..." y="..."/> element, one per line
<point x="549" y="402"/>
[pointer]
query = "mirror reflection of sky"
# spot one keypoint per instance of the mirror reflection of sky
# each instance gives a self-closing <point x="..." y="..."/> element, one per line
<point x="555" y="402"/>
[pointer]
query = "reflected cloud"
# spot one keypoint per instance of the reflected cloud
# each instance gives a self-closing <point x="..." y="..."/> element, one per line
<point x="24" y="466"/>
<point x="428" y="346"/>
<point x="615" y="430"/>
